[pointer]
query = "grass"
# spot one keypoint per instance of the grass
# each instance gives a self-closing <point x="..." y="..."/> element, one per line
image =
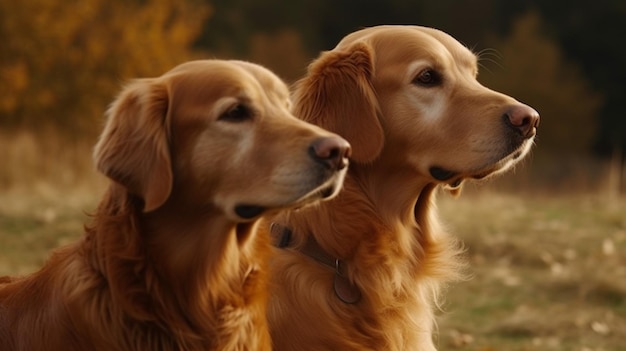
<point x="548" y="271"/>
<point x="34" y="223"/>
<point x="47" y="185"/>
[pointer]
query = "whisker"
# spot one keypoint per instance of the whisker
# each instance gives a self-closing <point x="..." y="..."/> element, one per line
<point x="489" y="55"/>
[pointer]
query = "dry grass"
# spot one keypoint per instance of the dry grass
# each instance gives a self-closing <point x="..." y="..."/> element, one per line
<point x="47" y="185"/>
<point x="548" y="270"/>
<point x="44" y="157"/>
<point x="548" y="273"/>
<point x="32" y="225"/>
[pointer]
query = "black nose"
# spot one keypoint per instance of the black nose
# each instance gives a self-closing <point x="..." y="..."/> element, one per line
<point x="331" y="151"/>
<point x="522" y="118"/>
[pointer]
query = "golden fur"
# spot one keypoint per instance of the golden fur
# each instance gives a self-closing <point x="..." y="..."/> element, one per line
<point x="172" y="259"/>
<point x="408" y="101"/>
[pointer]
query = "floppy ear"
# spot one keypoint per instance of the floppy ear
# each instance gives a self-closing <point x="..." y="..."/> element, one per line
<point x="337" y="95"/>
<point x="133" y="149"/>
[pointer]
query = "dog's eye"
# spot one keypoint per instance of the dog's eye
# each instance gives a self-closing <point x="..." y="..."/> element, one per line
<point x="427" y="78"/>
<point x="237" y="113"/>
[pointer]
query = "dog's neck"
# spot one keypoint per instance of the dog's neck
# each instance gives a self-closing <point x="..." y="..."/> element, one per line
<point x="202" y="238"/>
<point x="384" y="232"/>
<point x="179" y="284"/>
<point x="397" y="192"/>
<point x="394" y="202"/>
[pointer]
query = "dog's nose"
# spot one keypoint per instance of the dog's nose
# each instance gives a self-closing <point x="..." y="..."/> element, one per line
<point x="331" y="151"/>
<point x="524" y="119"/>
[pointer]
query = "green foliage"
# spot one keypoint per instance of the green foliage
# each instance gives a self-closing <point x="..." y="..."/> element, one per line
<point x="61" y="62"/>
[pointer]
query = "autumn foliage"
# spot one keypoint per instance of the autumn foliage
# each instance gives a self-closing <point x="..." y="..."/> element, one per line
<point x="61" y="62"/>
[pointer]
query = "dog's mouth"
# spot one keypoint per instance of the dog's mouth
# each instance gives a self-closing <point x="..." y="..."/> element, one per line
<point x="454" y="178"/>
<point x="325" y="191"/>
<point x="249" y="211"/>
<point x="446" y="176"/>
<point x="329" y="187"/>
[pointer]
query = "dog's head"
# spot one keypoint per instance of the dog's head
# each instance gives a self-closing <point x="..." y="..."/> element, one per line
<point x="409" y="96"/>
<point x="218" y="134"/>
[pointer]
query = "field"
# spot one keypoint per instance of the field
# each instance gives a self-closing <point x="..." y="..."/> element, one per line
<point x="547" y="271"/>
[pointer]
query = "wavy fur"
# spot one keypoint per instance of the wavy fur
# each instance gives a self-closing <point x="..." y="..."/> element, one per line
<point x="407" y="99"/>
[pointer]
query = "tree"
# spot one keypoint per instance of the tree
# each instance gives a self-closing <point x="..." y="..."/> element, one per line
<point x="591" y="33"/>
<point x="585" y="33"/>
<point x="535" y="71"/>
<point x="62" y="62"/>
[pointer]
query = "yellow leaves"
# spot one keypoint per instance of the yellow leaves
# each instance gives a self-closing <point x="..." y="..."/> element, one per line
<point x="14" y="78"/>
<point x="64" y="61"/>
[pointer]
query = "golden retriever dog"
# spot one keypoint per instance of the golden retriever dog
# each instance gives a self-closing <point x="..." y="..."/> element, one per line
<point x="173" y="259"/>
<point x="364" y="270"/>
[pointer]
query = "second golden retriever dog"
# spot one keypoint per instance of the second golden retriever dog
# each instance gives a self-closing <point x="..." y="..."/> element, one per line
<point x="363" y="271"/>
<point x="174" y="259"/>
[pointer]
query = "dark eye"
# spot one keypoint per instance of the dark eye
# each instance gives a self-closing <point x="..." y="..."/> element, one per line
<point x="427" y="78"/>
<point x="237" y="113"/>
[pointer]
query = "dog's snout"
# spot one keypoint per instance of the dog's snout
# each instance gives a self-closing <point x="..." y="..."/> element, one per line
<point x="331" y="151"/>
<point x="524" y="119"/>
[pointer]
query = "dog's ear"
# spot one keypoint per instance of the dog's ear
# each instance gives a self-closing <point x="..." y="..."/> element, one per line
<point x="133" y="149"/>
<point x="337" y="95"/>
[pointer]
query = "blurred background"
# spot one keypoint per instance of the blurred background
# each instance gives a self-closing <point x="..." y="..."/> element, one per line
<point x="61" y="63"/>
<point x="546" y="242"/>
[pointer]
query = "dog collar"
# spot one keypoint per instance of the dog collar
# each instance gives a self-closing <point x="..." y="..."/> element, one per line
<point x="344" y="289"/>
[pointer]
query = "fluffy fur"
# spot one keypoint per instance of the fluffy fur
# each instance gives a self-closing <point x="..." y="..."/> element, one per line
<point x="408" y="101"/>
<point x="172" y="259"/>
